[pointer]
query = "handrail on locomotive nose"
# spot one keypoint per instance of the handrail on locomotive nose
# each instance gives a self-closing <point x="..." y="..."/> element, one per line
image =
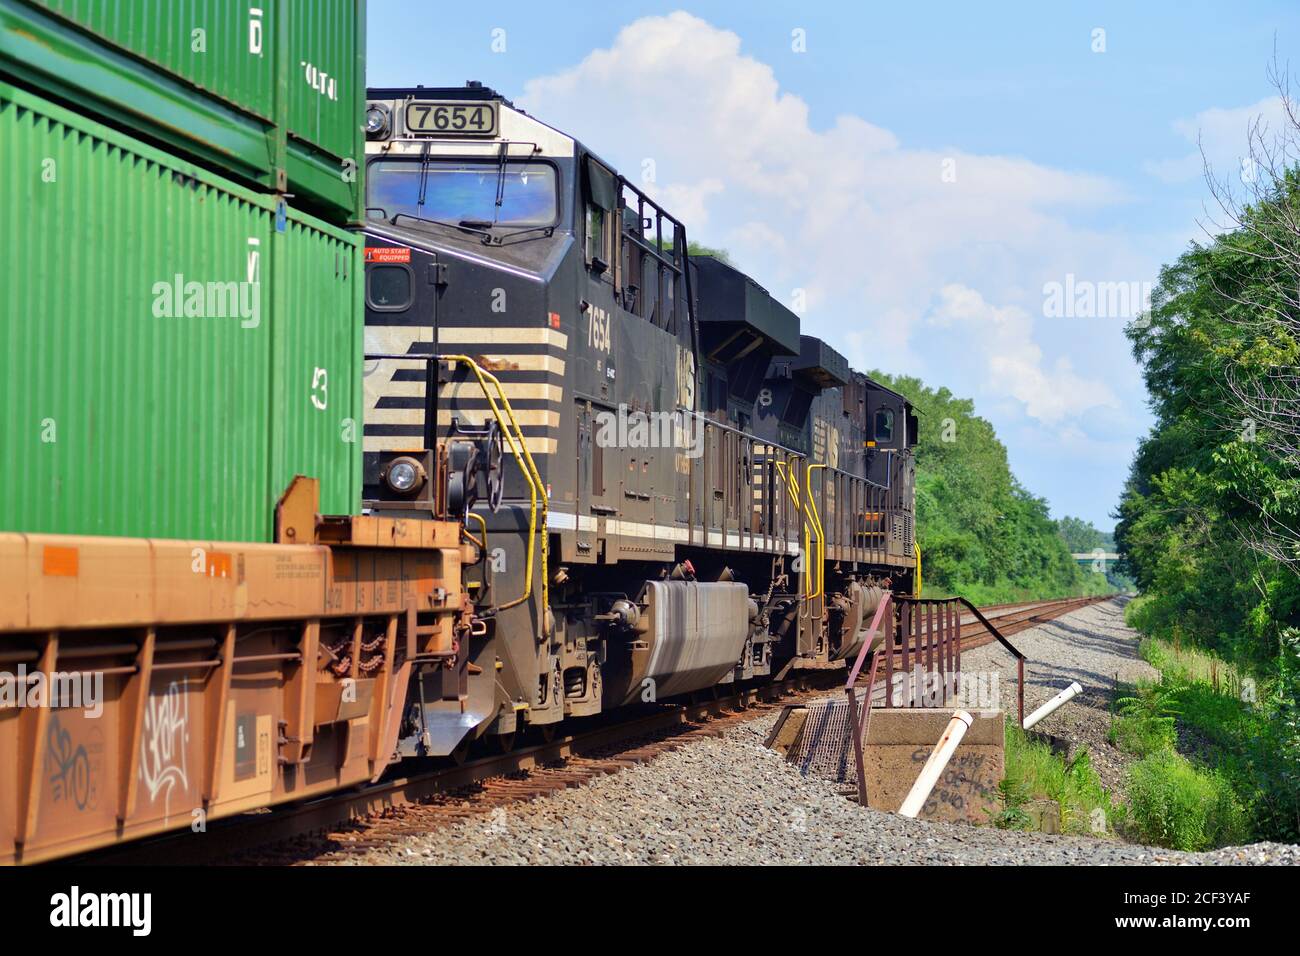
<point x="519" y="448"/>
<point x="536" y="487"/>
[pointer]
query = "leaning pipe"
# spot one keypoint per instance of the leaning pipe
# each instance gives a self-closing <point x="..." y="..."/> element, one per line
<point x="1068" y="694"/>
<point x="934" y="767"/>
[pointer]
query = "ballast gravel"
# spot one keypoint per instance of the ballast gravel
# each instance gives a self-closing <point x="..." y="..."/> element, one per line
<point x="730" y="800"/>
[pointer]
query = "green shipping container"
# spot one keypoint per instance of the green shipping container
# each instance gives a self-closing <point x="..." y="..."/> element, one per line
<point x="270" y="92"/>
<point x="174" y="348"/>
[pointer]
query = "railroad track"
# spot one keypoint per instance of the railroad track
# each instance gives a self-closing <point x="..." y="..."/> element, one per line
<point x="341" y="825"/>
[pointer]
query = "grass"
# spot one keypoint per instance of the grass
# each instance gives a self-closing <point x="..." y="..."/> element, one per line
<point x="1144" y="722"/>
<point x="1234" y="781"/>
<point x="1174" y="804"/>
<point x="1035" y="772"/>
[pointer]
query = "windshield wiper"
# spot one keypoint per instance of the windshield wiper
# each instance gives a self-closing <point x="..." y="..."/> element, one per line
<point x="487" y="236"/>
<point x="502" y="153"/>
<point x="546" y="231"/>
<point x="505" y="232"/>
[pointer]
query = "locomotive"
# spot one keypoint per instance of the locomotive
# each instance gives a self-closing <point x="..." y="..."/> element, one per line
<point x="668" y="486"/>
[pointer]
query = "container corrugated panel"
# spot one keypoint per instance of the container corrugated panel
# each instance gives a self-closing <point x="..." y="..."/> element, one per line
<point x="225" y="83"/>
<point x="326" y="87"/>
<point x="130" y="408"/>
<point x="326" y="98"/>
<point x="217" y="45"/>
<point x="317" y="373"/>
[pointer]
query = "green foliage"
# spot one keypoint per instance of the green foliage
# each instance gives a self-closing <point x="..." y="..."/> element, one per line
<point x="982" y="535"/>
<point x="1012" y="797"/>
<point x="1145" y="723"/>
<point x="1080" y="535"/>
<point x="1205" y="517"/>
<point x="694" y="248"/>
<point x="1205" y="485"/>
<point x="1035" y="772"/>
<point x="1228" y="728"/>
<point x="1176" y="805"/>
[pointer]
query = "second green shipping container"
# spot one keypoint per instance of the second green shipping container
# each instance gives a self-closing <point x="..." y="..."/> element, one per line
<point x="174" y="348"/>
<point x="270" y="92"/>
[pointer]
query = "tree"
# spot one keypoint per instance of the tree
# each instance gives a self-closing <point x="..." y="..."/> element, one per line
<point x="1079" y="535"/>
<point x="1210" y="516"/>
<point x="1257" y="281"/>
<point x="982" y="534"/>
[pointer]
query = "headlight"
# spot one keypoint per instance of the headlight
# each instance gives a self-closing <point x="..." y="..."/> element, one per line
<point x="376" y="122"/>
<point x="404" y="475"/>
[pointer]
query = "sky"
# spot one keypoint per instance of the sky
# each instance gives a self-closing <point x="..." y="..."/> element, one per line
<point x="978" y="195"/>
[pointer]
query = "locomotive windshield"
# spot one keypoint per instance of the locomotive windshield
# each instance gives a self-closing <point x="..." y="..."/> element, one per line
<point x="477" y="193"/>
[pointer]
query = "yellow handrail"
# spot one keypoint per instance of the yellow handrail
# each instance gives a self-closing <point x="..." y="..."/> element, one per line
<point x="791" y="481"/>
<point x="818" y="530"/>
<point x="916" y="546"/>
<point x="536" y="487"/>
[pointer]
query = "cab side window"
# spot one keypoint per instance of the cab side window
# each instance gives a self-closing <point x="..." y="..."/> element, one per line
<point x="884" y="426"/>
<point x="597" y="234"/>
<point x="601" y="203"/>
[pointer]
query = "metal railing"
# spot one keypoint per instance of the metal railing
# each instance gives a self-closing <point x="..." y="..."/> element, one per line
<point x="923" y="636"/>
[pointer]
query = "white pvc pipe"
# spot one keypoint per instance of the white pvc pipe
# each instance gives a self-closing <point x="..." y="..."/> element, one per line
<point x="934" y="767"/>
<point x="1065" y="695"/>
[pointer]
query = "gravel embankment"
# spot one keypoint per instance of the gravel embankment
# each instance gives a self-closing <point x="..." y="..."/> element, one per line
<point x="729" y="800"/>
<point x="1091" y="646"/>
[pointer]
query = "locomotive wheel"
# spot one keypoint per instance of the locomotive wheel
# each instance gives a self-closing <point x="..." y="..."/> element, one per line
<point x="506" y="742"/>
<point x="546" y="732"/>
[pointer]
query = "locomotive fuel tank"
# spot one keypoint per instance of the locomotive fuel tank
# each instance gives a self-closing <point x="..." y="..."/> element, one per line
<point x="687" y="636"/>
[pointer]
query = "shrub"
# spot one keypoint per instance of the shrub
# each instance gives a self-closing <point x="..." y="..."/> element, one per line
<point x="1144" y="723"/>
<point x="1175" y="805"/>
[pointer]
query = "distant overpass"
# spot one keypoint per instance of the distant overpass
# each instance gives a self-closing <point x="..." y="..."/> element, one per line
<point x="1085" y="557"/>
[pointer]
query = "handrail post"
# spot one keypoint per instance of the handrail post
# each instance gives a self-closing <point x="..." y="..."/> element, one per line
<point x="859" y="728"/>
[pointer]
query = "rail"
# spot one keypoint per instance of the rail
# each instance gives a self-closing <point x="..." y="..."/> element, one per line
<point x="858" y="727"/>
<point x="791" y="482"/>
<point x="926" y="639"/>
<point x="251" y="830"/>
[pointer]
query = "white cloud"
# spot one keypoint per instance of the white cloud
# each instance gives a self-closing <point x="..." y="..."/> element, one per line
<point x="1001" y="337"/>
<point x="1223" y="136"/>
<point x="868" y="227"/>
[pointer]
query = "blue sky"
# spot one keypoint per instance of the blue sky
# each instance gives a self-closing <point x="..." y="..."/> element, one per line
<point x="918" y="174"/>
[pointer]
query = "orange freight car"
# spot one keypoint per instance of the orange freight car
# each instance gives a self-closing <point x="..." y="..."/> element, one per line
<point x="148" y="685"/>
